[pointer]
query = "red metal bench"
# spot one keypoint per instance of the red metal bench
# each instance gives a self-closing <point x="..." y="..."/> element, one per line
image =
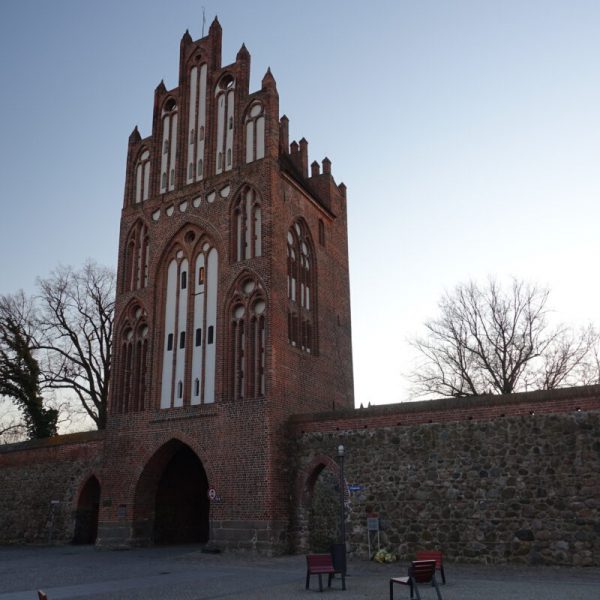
<point x="420" y="571"/>
<point x="322" y="564"/>
<point x="433" y="555"/>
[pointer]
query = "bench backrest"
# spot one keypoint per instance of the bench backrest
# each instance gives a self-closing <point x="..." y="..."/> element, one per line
<point x="430" y="555"/>
<point x="319" y="560"/>
<point x="422" y="570"/>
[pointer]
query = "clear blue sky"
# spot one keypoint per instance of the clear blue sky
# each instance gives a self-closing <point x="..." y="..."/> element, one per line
<point x="467" y="132"/>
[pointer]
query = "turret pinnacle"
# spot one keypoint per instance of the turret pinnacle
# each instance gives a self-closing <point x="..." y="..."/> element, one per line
<point x="268" y="80"/>
<point x="243" y="53"/>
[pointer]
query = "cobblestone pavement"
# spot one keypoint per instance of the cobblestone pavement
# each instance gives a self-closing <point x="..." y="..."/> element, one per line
<point x="185" y="573"/>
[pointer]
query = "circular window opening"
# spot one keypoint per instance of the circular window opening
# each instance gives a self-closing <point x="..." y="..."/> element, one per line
<point x="226" y="83"/>
<point x="248" y="286"/>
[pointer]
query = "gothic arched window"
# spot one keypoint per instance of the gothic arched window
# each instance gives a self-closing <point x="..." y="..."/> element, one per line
<point x="142" y="177"/>
<point x="190" y="310"/>
<point x="132" y="363"/>
<point x="196" y="122"/>
<point x="169" y="146"/>
<point x="255" y="133"/>
<point x="247" y="313"/>
<point x="246" y="225"/>
<point x="301" y="276"/>
<point x="137" y="255"/>
<point x="225" y="100"/>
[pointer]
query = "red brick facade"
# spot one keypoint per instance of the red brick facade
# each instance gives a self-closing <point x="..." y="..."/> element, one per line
<point x="213" y="183"/>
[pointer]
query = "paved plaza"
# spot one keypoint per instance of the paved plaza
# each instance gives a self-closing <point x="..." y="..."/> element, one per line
<point x="184" y="572"/>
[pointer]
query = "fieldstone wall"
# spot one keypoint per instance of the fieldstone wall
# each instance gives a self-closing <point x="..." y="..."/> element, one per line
<point x="522" y="489"/>
<point x="40" y="483"/>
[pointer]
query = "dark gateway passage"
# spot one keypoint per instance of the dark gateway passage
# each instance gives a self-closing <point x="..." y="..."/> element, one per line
<point x="182" y="504"/>
<point x="86" y="518"/>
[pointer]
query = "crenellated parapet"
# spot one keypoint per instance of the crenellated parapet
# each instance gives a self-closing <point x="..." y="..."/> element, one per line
<point x="320" y="184"/>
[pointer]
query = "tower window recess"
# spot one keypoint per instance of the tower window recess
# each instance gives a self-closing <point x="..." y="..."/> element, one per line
<point x="130" y="365"/>
<point x="169" y="145"/>
<point x="246" y="353"/>
<point x="135" y="274"/>
<point x="301" y="287"/>
<point x="321" y="232"/>
<point x="255" y="133"/>
<point x="180" y="389"/>
<point x="225" y="106"/>
<point x="188" y="309"/>
<point x="246" y="226"/>
<point x="142" y="177"/>
<point x="211" y="333"/>
<point x="201" y="276"/>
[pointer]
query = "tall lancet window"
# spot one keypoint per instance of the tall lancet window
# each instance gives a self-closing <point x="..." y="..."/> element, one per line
<point x="246" y="225"/>
<point x="225" y="101"/>
<point x="168" y="146"/>
<point x="255" y="133"/>
<point x="137" y="255"/>
<point x="131" y="363"/>
<point x="196" y="123"/>
<point x="190" y="322"/>
<point x="301" y="284"/>
<point x="247" y="331"/>
<point x="142" y="177"/>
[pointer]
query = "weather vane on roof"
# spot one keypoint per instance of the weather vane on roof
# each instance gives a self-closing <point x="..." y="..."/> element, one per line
<point x="203" y="19"/>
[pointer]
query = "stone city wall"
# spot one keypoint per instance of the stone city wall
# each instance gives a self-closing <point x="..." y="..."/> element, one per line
<point x="503" y="479"/>
<point x="40" y="483"/>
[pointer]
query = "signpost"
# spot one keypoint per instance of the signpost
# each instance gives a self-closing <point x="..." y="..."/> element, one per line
<point x="373" y="530"/>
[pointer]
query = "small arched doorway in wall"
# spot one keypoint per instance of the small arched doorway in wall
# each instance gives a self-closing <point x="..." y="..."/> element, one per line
<point x="86" y="515"/>
<point x="323" y="504"/>
<point x="171" y="500"/>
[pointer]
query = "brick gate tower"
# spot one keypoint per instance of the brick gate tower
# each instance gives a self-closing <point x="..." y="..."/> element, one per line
<point x="233" y="312"/>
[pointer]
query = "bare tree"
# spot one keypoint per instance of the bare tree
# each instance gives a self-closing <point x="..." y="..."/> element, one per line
<point x="494" y="340"/>
<point x="20" y="375"/>
<point x="75" y="323"/>
<point x="12" y="425"/>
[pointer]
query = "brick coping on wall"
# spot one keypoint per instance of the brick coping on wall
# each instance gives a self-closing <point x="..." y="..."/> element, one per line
<point x="476" y="408"/>
<point x="81" y="437"/>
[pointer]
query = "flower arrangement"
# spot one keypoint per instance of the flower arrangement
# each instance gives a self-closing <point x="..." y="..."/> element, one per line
<point x="384" y="556"/>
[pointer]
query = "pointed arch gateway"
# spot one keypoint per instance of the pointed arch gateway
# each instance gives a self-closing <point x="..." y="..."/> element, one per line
<point x="171" y="504"/>
<point x="86" y="515"/>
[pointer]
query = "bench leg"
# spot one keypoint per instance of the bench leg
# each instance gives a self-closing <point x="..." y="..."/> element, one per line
<point x="443" y="575"/>
<point x="343" y="581"/>
<point x="437" y="589"/>
<point x="391" y="590"/>
<point x="413" y="587"/>
<point x="320" y="582"/>
<point x="307" y="579"/>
